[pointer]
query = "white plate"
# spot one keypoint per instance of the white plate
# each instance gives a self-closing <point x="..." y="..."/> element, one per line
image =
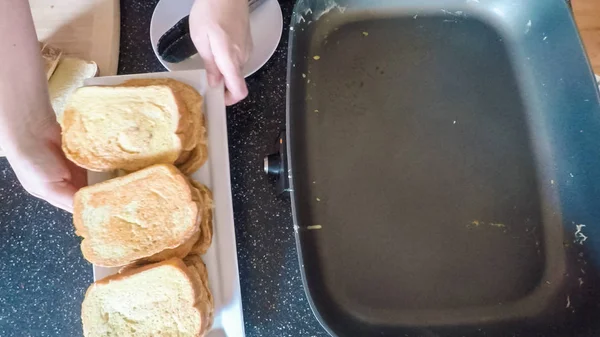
<point x="266" y="27"/>
<point x="221" y="258"/>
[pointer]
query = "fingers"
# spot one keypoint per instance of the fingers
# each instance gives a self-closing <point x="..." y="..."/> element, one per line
<point x="57" y="194"/>
<point x="223" y="62"/>
<point x="213" y="73"/>
<point x="236" y="89"/>
<point x="229" y="59"/>
<point x="61" y="195"/>
<point x="78" y="175"/>
<point x="54" y="179"/>
<point x="249" y="47"/>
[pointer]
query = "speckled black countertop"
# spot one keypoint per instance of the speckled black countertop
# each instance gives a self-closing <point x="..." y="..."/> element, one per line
<point x="43" y="276"/>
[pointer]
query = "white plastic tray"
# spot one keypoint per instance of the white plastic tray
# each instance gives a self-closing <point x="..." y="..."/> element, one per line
<point x="221" y="258"/>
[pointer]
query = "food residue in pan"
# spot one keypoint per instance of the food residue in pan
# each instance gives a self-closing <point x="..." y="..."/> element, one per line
<point x="313" y="227"/>
<point x="475" y="223"/>
<point x="478" y="223"/>
<point x="317" y="57"/>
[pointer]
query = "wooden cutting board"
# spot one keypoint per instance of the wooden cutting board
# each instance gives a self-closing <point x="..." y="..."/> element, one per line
<point x="587" y="15"/>
<point x="87" y="29"/>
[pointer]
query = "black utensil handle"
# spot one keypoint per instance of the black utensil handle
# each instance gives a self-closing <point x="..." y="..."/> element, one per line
<point x="176" y="44"/>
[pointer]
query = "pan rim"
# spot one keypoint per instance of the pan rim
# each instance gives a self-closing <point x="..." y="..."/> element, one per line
<point x="294" y="202"/>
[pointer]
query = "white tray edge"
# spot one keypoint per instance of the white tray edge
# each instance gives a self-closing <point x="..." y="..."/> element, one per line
<point x="224" y="278"/>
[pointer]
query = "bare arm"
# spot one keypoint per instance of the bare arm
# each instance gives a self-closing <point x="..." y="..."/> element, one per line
<point x="29" y="132"/>
<point x="23" y="90"/>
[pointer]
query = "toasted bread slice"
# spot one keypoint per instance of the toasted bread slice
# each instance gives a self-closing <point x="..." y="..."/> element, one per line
<point x="197" y="158"/>
<point x="207" y="306"/>
<point x="193" y="157"/>
<point x="183" y="157"/>
<point x="162" y="299"/>
<point x="144" y="216"/>
<point x="193" y="102"/>
<point x="205" y="208"/>
<point x="107" y="128"/>
<point x="69" y="75"/>
<point x="190" y="163"/>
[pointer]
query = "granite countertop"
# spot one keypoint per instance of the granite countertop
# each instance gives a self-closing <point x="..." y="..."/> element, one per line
<point x="43" y="276"/>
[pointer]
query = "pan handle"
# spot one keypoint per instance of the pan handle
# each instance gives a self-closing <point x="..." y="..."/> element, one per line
<point x="276" y="166"/>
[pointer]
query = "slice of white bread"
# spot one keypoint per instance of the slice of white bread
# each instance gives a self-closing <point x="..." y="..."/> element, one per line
<point x="195" y="131"/>
<point x="69" y="75"/>
<point x="117" y="127"/>
<point x="147" y="215"/>
<point x="204" y="199"/>
<point x="207" y="307"/>
<point x="197" y="158"/>
<point x="51" y="56"/>
<point x="199" y="155"/>
<point x="169" y="298"/>
<point x="201" y="241"/>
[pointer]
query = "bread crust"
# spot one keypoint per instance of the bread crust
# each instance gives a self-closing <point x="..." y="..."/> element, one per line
<point x="206" y="302"/>
<point x="206" y="225"/>
<point x="199" y="289"/>
<point x="96" y="196"/>
<point x="197" y="158"/>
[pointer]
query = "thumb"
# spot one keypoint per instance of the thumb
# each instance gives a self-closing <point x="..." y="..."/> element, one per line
<point x="60" y="194"/>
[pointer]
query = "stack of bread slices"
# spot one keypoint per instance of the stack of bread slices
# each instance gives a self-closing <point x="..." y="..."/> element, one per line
<point x="134" y="125"/>
<point x="154" y="222"/>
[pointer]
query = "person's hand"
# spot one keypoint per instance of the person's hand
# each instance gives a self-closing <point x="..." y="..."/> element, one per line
<point x="41" y="165"/>
<point x="221" y="32"/>
<point x="29" y="133"/>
